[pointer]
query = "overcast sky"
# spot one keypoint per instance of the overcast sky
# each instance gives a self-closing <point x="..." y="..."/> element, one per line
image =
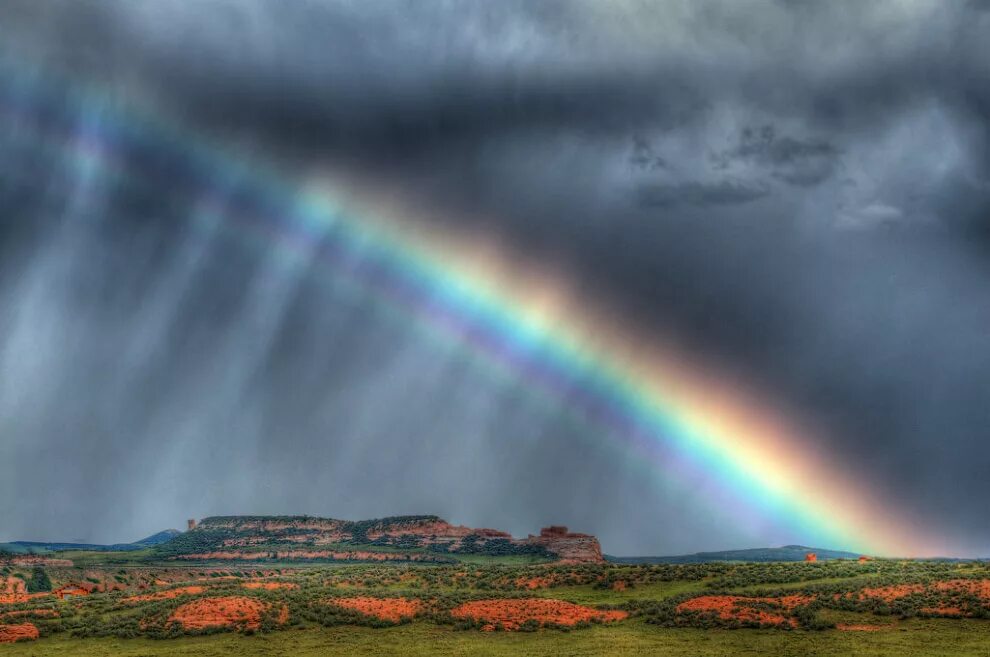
<point x="797" y="190"/>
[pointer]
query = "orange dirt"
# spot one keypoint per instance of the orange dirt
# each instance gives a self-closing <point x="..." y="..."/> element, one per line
<point x="943" y="610"/>
<point x="15" y="598"/>
<point x="21" y="632"/>
<point x="51" y="613"/>
<point x="166" y="595"/>
<point x="219" y="612"/>
<point x="12" y="586"/>
<point x="270" y="586"/>
<point x="744" y="609"/>
<point x="390" y="609"/>
<point x="979" y="587"/>
<point x="512" y="613"/>
<point x="85" y="588"/>
<point x="891" y="593"/>
<point x="533" y="583"/>
<point x="851" y="627"/>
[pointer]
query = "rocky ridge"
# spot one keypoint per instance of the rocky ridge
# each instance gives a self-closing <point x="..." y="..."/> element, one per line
<point x="399" y="538"/>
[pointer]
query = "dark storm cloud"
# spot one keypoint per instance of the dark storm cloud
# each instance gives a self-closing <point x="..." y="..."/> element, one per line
<point x="723" y="192"/>
<point x="799" y="162"/>
<point x="800" y="190"/>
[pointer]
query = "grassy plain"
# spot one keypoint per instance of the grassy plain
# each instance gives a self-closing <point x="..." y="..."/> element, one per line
<point x="898" y="603"/>
<point x="948" y="638"/>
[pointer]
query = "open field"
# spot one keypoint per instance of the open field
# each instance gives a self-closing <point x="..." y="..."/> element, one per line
<point x="136" y="606"/>
<point x="916" y="637"/>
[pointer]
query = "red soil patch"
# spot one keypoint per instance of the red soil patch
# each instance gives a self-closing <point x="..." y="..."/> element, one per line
<point x="745" y="609"/>
<point x="12" y="586"/>
<point x="166" y="595"/>
<point x="15" y="598"/>
<point x="533" y="583"/>
<point x="390" y="609"/>
<point x="891" y="593"/>
<point x="50" y="613"/>
<point x="21" y="632"/>
<point x="943" y="610"/>
<point x="512" y="613"/>
<point x="219" y="612"/>
<point x="852" y="627"/>
<point x="83" y="588"/>
<point x="979" y="587"/>
<point x="270" y="586"/>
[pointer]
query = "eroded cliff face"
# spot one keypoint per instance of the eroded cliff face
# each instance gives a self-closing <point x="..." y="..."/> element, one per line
<point x="419" y="538"/>
<point x="569" y="546"/>
<point x="310" y="555"/>
<point x="440" y="529"/>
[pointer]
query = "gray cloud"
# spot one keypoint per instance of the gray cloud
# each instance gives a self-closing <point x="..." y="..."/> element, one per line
<point x="799" y="162"/>
<point x="722" y="192"/>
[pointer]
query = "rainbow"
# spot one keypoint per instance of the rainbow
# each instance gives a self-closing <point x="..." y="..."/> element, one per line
<point x="680" y="416"/>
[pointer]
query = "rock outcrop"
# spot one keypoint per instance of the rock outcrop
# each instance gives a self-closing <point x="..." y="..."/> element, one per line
<point x="399" y="538"/>
<point x="569" y="546"/>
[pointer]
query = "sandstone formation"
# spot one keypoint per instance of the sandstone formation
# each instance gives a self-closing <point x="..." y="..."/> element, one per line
<point x="400" y="538"/>
<point x="569" y="546"/>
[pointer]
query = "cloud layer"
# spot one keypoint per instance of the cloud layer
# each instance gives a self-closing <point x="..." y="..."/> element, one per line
<point x="797" y="190"/>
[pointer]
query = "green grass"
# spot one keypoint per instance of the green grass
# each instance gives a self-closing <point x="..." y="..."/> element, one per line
<point x="96" y="559"/>
<point x="943" y="637"/>
<point x="588" y="594"/>
<point x="501" y="560"/>
<point x="150" y="557"/>
<point x="861" y="580"/>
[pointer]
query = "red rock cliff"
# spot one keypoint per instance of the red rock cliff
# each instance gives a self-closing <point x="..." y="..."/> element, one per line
<point x="570" y="547"/>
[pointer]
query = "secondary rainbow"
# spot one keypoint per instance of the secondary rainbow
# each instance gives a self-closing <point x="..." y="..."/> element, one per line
<point x="646" y="396"/>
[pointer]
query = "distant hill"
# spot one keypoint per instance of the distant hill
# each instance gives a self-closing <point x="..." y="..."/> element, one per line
<point x="159" y="538"/>
<point x="21" y="547"/>
<point x="785" y="553"/>
<point x="25" y="547"/>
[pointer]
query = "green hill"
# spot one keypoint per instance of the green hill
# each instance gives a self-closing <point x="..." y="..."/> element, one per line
<point x="768" y="554"/>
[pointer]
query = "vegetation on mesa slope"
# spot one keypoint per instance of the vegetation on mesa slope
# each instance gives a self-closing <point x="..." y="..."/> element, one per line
<point x="420" y="537"/>
<point x="39" y="582"/>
